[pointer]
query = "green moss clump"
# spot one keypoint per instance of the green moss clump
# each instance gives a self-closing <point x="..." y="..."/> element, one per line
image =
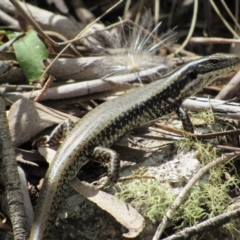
<point x="147" y="196"/>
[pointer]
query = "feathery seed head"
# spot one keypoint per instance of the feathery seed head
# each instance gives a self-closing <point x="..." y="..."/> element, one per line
<point x="133" y="48"/>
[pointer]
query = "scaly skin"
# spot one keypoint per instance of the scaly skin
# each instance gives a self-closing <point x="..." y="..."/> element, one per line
<point x="111" y="120"/>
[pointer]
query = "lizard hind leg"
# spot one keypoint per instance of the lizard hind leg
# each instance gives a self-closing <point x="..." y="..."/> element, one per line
<point x="107" y="155"/>
<point x="186" y="121"/>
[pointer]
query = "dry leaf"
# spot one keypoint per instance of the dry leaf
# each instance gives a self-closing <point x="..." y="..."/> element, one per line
<point x="27" y="118"/>
<point x="122" y="212"/>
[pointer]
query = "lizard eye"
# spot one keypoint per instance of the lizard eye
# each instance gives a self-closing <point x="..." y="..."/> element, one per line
<point x="214" y="61"/>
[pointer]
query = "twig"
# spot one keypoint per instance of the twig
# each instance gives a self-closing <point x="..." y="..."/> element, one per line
<point x="230" y="14"/>
<point x="224" y="108"/>
<point x="183" y="194"/>
<point x="223" y="19"/>
<point x="207" y="225"/>
<point x="138" y="16"/>
<point x="46" y="20"/>
<point x="16" y="4"/>
<point x="215" y="40"/>
<point x="126" y="8"/>
<point x="231" y="89"/>
<point x="236" y="13"/>
<point x="45" y="88"/>
<point x="171" y="13"/>
<point x="10" y="42"/>
<point x="156" y="13"/>
<point x="198" y="136"/>
<point x="195" y="10"/>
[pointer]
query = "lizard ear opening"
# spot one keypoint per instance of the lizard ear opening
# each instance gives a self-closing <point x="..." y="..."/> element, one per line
<point x="193" y="74"/>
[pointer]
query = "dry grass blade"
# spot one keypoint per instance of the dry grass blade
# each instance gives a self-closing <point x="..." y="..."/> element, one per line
<point x="223" y="19"/>
<point x="193" y="23"/>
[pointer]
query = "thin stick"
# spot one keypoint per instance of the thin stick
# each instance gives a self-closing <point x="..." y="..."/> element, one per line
<point x="223" y="19"/>
<point x="16" y="4"/>
<point x="156" y="14"/>
<point x="195" y="10"/>
<point x="205" y="226"/>
<point x="138" y="16"/>
<point x="198" y="136"/>
<point x="41" y="32"/>
<point x="45" y="88"/>
<point x="10" y="42"/>
<point x="230" y="14"/>
<point x="171" y="13"/>
<point x="126" y="8"/>
<point x="215" y="40"/>
<point x="236" y="12"/>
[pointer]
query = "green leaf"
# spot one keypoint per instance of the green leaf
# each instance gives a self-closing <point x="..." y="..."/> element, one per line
<point x="30" y="53"/>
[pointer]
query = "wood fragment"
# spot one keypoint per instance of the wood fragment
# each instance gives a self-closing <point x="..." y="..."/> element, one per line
<point x="11" y="180"/>
<point x="231" y="89"/>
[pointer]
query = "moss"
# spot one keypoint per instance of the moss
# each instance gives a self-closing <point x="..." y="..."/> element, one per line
<point x="206" y="116"/>
<point x="147" y="196"/>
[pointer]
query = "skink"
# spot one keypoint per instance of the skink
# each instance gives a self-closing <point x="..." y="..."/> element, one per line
<point x="111" y="120"/>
